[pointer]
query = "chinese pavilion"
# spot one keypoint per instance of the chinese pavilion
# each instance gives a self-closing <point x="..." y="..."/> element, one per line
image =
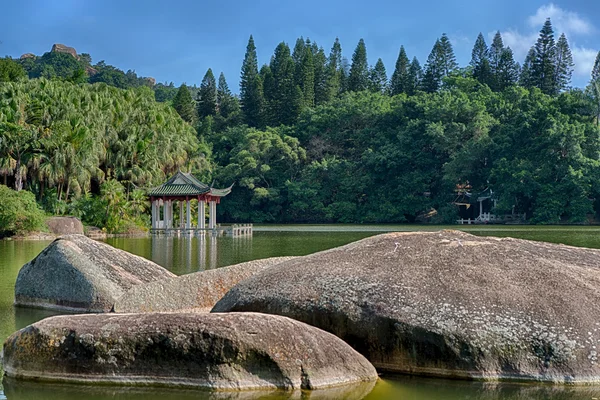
<point x="183" y="188"/>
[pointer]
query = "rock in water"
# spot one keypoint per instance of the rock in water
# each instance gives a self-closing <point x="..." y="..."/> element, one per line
<point x="65" y="225"/>
<point x="235" y="351"/>
<point x="200" y="290"/>
<point x="78" y="273"/>
<point x="446" y="304"/>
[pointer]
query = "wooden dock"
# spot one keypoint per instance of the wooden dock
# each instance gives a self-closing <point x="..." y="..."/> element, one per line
<point x="220" y="230"/>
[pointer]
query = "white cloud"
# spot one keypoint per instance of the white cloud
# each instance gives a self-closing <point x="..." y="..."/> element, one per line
<point x="518" y="42"/>
<point x="565" y="21"/>
<point x="584" y="60"/>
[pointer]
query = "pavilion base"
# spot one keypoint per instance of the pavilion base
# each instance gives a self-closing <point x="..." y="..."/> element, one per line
<point x="227" y="230"/>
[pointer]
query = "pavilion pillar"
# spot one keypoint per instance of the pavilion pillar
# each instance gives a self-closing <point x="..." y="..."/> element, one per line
<point x="188" y="217"/>
<point x="181" y="214"/>
<point x="480" y="208"/>
<point x="212" y="218"/>
<point x="201" y="214"/>
<point x="153" y="203"/>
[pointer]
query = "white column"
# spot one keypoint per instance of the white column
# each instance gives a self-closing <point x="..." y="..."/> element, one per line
<point x="203" y="214"/>
<point x="211" y="215"/>
<point x="153" y="214"/>
<point x="188" y="219"/>
<point x="181" y="214"/>
<point x="215" y="215"/>
<point x="481" y="208"/>
<point x="171" y="214"/>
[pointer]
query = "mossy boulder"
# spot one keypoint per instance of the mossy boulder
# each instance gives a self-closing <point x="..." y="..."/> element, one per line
<point x="446" y="304"/>
<point x="77" y="273"/>
<point x="234" y="351"/>
<point x="199" y="291"/>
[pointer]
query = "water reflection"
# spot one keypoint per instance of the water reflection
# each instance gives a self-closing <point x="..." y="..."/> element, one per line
<point x="412" y="388"/>
<point x="19" y="390"/>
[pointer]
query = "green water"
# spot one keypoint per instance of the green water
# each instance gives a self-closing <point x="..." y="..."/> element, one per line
<point x="185" y="255"/>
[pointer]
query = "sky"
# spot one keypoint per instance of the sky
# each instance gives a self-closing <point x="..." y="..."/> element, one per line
<point x="177" y="41"/>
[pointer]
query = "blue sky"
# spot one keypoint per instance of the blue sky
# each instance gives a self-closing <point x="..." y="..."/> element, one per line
<point x="179" y="40"/>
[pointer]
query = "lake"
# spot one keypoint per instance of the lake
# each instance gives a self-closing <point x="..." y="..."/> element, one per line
<point x="186" y="255"/>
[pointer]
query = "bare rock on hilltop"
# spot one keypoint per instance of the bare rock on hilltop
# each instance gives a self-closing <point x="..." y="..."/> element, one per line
<point x="61" y="48"/>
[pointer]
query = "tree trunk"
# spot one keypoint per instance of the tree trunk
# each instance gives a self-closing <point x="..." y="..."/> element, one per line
<point x="68" y="190"/>
<point x="18" y="177"/>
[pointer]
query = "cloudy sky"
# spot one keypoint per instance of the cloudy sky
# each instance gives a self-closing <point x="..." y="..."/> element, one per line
<point x="178" y="40"/>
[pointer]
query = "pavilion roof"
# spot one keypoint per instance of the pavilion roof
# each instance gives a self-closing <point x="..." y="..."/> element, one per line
<point x="186" y="184"/>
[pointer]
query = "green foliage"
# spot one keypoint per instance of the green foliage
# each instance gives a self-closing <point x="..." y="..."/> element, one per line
<point x="378" y="78"/>
<point x="10" y="70"/>
<point x="480" y="61"/>
<point x="207" y="96"/>
<point x="359" y="71"/>
<point x="251" y="87"/>
<point x="184" y="105"/>
<point x="400" y="81"/>
<point x="543" y="72"/>
<point x="19" y="213"/>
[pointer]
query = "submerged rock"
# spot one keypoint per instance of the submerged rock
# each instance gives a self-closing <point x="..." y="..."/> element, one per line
<point x="234" y="351"/>
<point x="78" y="273"/>
<point x="446" y="304"/>
<point x="199" y="291"/>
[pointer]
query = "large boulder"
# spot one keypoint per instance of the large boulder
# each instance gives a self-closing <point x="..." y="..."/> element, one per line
<point x="81" y="274"/>
<point x="61" y="48"/>
<point x="65" y="225"/>
<point x="235" y="351"/>
<point x="446" y="304"/>
<point x="199" y="291"/>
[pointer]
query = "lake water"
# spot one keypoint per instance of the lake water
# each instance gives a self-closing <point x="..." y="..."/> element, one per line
<point x="185" y="255"/>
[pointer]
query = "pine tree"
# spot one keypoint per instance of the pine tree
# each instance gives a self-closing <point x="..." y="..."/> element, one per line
<point x="269" y="115"/>
<point x="307" y="82"/>
<point x="526" y="78"/>
<point x="334" y="66"/>
<point x="282" y="95"/>
<point x="400" y="81"/>
<point x="183" y="104"/>
<point x="434" y="69"/>
<point x="563" y="64"/>
<point x="480" y="61"/>
<point x="206" y="101"/>
<point x="415" y="74"/>
<point x="251" y="91"/>
<point x="596" y="69"/>
<point x="544" y="64"/>
<point x="507" y="73"/>
<point x="321" y="77"/>
<point x="226" y="103"/>
<point x="449" y="63"/>
<point x="359" y="70"/>
<point x="298" y="56"/>
<point x="378" y="78"/>
<point x="495" y="53"/>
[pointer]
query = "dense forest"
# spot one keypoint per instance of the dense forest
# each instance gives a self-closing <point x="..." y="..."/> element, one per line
<point x="311" y="137"/>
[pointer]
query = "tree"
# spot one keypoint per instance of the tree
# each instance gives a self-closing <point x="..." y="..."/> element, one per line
<point x="543" y="73"/>
<point x="334" y="70"/>
<point x="507" y="73"/>
<point x="400" y="81"/>
<point x="226" y="103"/>
<point x="495" y="53"/>
<point x="251" y="90"/>
<point x="281" y="94"/>
<point x="415" y="73"/>
<point x="359" y="70"/>
<point x="184" y="104"/>
<point x="480" y="61"/>
<point x="526" y="78"/>
<point x="434" y="69"/>
<point x="563" y="64"/>
<point x="307" y="76"/>
<point x="10" y="70"/>
<point x="596" y="69"/>
<point x="322" y="93"/>
<point x="378" y="78"/>
<point x="447" y="55"/>
<point x="206" y="102"/>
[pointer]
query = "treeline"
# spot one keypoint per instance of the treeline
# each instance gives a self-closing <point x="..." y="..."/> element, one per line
<point x="313" y="137"/>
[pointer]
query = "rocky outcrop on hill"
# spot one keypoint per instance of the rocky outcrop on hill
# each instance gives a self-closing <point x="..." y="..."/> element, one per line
<point x="77" y="273"/>
<point x="200" y="290"/>
<point x="27" y="55"/>
<point x="235" y="351"/>
<point x="446" y="304"/>
<point x="65" y="225"/>
<point x="61" y="48"/>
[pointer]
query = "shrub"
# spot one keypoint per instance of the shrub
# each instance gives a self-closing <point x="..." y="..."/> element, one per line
<point x="19" y="212"/>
